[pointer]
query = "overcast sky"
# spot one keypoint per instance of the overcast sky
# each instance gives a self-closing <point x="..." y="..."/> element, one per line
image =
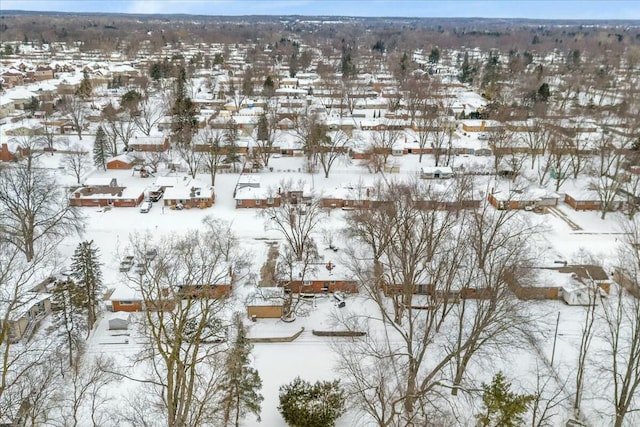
<point x="542" y="9"/>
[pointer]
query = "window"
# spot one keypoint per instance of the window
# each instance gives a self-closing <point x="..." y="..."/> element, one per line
<point x="239" y="202"/>
<point x="307" y="283"/>
<point x="270" y="201"/>
<point x="258" y="202"/>
<point x="126" y="302"/>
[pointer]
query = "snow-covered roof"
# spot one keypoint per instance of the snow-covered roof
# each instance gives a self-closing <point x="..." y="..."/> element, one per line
<point x="189" y="190"/>
<point x="253" y="193"/>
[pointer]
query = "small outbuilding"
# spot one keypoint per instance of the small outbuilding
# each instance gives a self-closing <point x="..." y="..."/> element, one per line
<point x="577" y="293"/>
<point x="266" y="303"/>
<point x="119" y="321"/>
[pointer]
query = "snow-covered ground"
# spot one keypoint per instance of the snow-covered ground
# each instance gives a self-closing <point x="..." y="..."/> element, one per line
<point x="309" y="356"/>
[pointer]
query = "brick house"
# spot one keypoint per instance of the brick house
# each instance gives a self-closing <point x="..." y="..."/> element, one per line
<point x="189" y="194"/>
<point x="123" y="161"/>
<point x="149" y="143"/>
<point x="106" y="196"/>
<point x="323" y="277"/>
<point x="256" y="198"/>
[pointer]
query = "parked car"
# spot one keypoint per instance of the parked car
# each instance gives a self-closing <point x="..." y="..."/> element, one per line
<point x="156" y="195"/>
<point x="145" y="207"/>
<point x="126" y="263"/>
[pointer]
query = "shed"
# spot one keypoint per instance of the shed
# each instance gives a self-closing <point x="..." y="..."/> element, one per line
<point x="266" y="303"/>
<point x="436" y="172"/>
<point x="577" y="293"/>
<point x="119" y="321"/>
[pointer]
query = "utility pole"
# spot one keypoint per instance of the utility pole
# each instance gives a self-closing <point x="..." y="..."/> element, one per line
<point x="555" y="338"/>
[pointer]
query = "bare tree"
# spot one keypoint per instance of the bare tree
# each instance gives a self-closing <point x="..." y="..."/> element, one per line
<point x="86" y="392"/>
<point x="77" y="111"/>
<point x="24" y="397"/>
<point x="382" y="143"/>
<point x="183" y="320"/>
<point x="295" y="218"/>
<point x="120" y="125"/>
<point x="266" y="135"/>
<point x="585" y="344"/>
<point x="150" y="112"/>
<point x="548" y="397"/>
<point x="191" y="157"/>
<point x="333" y="147"/>
<point x="620" y="361"/>
<point x="49" y="134"/>
<point x="414" y="265"/>
<point x="34" y="207"/>
<point x="76" y="161"/>
<point x="500" y="143"/>
<point x="213" y="144"/>
<point x="537" y="138"/>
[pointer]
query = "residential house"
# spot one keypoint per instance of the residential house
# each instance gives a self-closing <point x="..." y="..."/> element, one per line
<point x="322" y="277"/>
<point x="256" y="198"/>
<point x="586" y="199"/>
<point x="189" y="194"/>
<point x="220" y="285"/>
<point x="123" y="161"/>
<point x="149" y="143"/>
<point x="100" y="196"/>
<point x="12" y="78"/>
<point x="503" y="197"/>
<point x="26" y="313"/>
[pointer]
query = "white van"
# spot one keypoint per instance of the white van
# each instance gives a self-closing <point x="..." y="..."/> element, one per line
<point x="145" y="207"/>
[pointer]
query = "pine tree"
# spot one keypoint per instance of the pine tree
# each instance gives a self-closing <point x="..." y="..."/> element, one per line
<point x="69" y="311"/>
<point x="241" y="388"/>
<point x="184" y="122"/>
<point x="86" y="270"/>
<point x="467" y="71"/>
<point x="303" y="404"/>
<point x="504" y="408"/>
<point x="86" y="88"/>
<point x="268" y="87"/>
<point x="100" y="149"/>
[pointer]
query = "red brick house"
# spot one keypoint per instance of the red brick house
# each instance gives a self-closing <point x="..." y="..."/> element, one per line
<point x="149" y="143"/>
<point x="223" y="280"/>
<point x="318" y="278"/>
<point x="106" y="196"/>
<point x="123" y="161"/>
<point x="10" y="154"/>
<point x="256" y="198"/>
<point x="587" y="199"/>
<point x="127" y="297"/>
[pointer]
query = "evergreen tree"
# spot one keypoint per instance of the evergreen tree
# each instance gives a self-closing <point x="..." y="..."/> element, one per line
<point x="467" y="71"/>
<point x="100" y="149"/>
<point x="263" y="128"/>
<point x="303" y="404"/>
<point x="347" y="67"/>
<point x="184" y="123"/>
<point x="86" y="270"/>
<point x="69" y="313"/>
<point x="247" y="82"/>
<point x="86" y="88"/>
<point x="503" y="408"/>
<point x="242" y="384"/>
<point x="434" y="56"/>
<point x="268" y="87"/>
<point x="543" y="92"/>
